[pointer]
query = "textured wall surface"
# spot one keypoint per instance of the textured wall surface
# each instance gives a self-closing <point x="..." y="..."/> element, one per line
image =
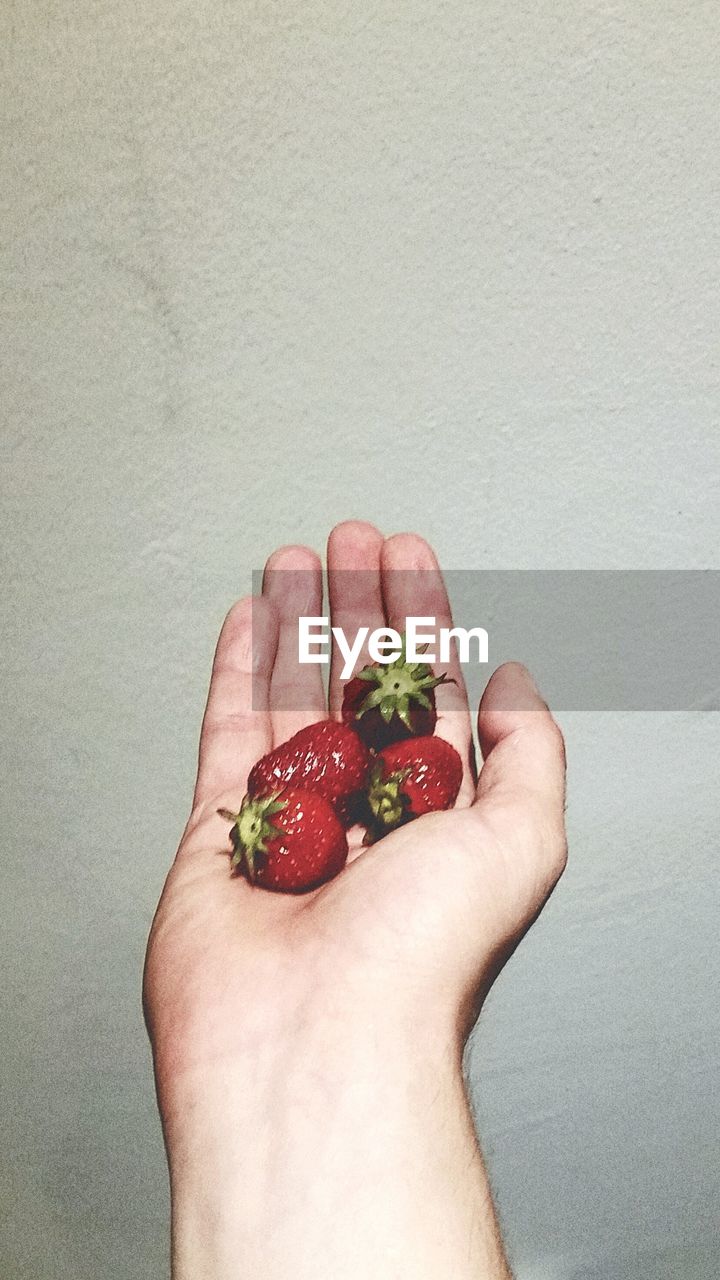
<point x="451" y="266"/>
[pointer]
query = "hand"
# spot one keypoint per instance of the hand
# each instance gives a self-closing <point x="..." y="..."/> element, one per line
<point x="285" y="1029"/>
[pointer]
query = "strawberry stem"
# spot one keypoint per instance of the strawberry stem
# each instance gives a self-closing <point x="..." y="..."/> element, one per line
<point x="252" y="827"/>
<point x="394" y="687"/>
<point x="385" y="797"/>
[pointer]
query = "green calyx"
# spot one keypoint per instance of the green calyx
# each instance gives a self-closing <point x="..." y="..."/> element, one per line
<point x="253" y="826"/>
<point x="385" y="797"/>
<point x="397" y="685"/>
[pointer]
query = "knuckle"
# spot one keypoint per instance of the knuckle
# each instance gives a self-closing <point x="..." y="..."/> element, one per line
<point x="239" y="615"/>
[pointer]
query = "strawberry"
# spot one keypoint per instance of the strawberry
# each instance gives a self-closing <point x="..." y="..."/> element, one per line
<point x="388" y="702"/>
<point x="289" y="841"/>
<point x="326" y="757"/>
<point x="409" y="778"/>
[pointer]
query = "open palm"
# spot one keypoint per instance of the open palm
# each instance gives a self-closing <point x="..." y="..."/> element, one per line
<point x="416" y="926"/>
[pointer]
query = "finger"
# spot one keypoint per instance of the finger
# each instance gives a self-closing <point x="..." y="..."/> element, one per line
<point x="293" y="582"/>
<point x="236" y="727"/>
<point x="521" y="787"/>
<point x="353" y="558"/>
<point x="413" y="585"/>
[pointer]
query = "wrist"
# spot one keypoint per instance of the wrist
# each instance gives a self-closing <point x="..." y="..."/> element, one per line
<point x="349" y="1155"/>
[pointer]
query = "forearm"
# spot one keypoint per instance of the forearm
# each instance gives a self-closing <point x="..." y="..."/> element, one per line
<point x="336" y="1165"/>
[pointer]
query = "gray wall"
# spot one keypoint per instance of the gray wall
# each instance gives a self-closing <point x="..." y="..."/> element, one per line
<point x="451" y="266"/>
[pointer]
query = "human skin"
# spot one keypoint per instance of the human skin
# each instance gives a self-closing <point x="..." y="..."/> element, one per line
<point x="308" y="1048"/>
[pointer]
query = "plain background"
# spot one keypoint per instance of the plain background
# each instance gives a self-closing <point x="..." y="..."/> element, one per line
<point x="446" y="266"/>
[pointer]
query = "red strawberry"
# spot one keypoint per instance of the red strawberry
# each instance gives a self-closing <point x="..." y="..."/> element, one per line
<point x="291" y="840"/>
<point x="410" y="778"/>
<point x="326" y="757"/>
<point x="386" y="703"/>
